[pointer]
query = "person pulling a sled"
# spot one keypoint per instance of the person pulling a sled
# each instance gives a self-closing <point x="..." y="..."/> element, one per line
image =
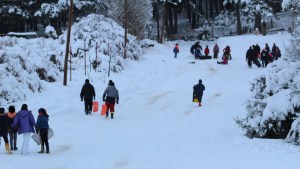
<point x="198" y="91"/>
<point x="110" y="97"/>
<point x="88" y="94"/>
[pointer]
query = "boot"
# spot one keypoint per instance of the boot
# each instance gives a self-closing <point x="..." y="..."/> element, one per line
<point x="106" y="114"/>
<point x="42" y="150"/>
<point x="111" y="115"/>
<point x="7" y="148"/>
<point x="200" y="104"/>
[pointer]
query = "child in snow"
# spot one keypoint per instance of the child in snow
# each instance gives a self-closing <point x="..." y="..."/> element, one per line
<point x="25" y="122"/>
<point x="4" y="129"/>
<point x="216" y="51"/>
<point x="11" y="114"/>
<point x="198" y="91"/>
<point x="206" y="51"/>
<point x="176" y="50"/>
<point x="42" y="127"/>
<point x="197" y="53"/>
<point x="224" y="61"/>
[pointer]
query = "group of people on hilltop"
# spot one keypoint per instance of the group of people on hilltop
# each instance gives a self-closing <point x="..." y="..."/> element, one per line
<point x="261" y="58"/>
<point x="110" y="97"/>
<point x="23" y="122"/>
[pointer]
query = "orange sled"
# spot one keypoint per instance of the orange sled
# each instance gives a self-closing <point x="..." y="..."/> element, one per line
<point x="103" y="110"/>
<point x="95" y="106"/>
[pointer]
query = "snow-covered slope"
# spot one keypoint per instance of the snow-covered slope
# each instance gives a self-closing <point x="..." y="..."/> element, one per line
<point x="156" y="125"/>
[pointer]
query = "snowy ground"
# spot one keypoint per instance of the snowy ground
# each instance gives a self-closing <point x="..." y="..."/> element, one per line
<point x="156" y="125"/>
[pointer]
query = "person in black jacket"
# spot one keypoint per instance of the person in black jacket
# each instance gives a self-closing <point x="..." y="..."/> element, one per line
<point x="195" y="46"/>
<point x="198" y="91"/>
<point x="249" y="56"/>
<point x="88" y="94"/>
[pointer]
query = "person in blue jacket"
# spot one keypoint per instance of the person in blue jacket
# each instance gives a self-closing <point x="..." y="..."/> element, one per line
<point x="42" y="127"/>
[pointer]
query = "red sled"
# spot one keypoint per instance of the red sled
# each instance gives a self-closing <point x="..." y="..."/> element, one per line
<point x="103" y="110"/>
<point x="95" y="106"/>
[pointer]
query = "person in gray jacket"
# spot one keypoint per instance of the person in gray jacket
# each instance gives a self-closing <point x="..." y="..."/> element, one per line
<point x="110" y="97"/>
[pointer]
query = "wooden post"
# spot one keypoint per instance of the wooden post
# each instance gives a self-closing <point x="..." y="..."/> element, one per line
<point x="71" y="63"/>
<point x="126" y="27"/>
<point x="96" y="64"/>
<point x="109" y="61"/>
<point x="84" y="59"/>
<point x="68" y="44"/>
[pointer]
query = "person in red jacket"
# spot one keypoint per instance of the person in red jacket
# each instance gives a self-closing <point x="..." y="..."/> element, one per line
<point x="206" y="51"/>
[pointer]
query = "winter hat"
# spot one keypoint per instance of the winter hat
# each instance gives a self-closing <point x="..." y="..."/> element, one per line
<point x="24" y="107"/>
<point x="2" y="110"/>
<point x="11" y="109"/>
<point x="111" y="83"/>
<point x="87" y="81"/>
<point x="200" y="81"/>
<point x="42" y="110"/>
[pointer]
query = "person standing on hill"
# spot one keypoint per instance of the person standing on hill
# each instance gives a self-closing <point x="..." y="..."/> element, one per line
<point x="25" y="122"/>
<point x="88" y="94"/>
<point x="110" y="97"/>
<point x="206" y="51"/>
<point x="198" y="91"/>
<point x="176" y="50"/>
<point x="249" y="56"/>
<point x="216" y="51"/>
<point x="11" y="131"/>
<point x="4" y="121"/>
<point x="264" y="56"/>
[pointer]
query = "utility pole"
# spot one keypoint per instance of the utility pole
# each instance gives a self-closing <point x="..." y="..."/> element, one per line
<point x="68" y="44"/>
<point x="126" y="27"/>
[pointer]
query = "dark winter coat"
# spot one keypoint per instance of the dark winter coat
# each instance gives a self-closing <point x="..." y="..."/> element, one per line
<point x="264" y="55"/>
<point x="111" y="94"/>
<point x="42" y="121"/>
<point x="198" y="89"/>
<point x="4" y="122"/>
<point x="176" y="49"/>
<point x="274" y="49"/>
<point x="87" y="91"/>
<point x="194" y="47"/>
<point x="25" y="122"/>
<point x="250" y="54"/>
<point x="277" y="54"/>
<point x="267" y="48"/>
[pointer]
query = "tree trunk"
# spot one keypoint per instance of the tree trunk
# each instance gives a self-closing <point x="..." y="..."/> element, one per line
<point x="206" y="9"/>
<point x="211" y="8"/>
<point x="157" y="17"/>
<point x="238" y="18"/>
<point x="175" y="19"/>
<point x="257" y="22"/>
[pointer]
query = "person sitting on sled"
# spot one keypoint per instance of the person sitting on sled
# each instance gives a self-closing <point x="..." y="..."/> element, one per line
<point x="224" y="61"/>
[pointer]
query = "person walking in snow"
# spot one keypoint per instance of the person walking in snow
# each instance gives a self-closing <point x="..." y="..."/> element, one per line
<point x="42" y="127"/>
<point x="110" y="97"/>
<point x="25" y="122"/>
<point x="206" y="51"/>
<point x="11" y="114"/>
<point x="87" y="94"/>
<point x="4" y="121"/>
<point x="198" y="91"/>
<point x="274" y="49"/>
<point x="176" y="50"/>
<point x="216" y="51"/>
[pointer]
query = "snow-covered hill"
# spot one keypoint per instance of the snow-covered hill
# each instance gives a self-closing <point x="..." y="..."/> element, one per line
<point x="156" y="125"/>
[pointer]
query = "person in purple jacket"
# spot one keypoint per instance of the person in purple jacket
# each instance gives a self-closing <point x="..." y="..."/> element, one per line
<point x="24" y="122"/>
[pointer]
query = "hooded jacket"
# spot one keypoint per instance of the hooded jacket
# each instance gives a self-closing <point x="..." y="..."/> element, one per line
<point x="199" y="88"/>
<point x="24" y="121"/>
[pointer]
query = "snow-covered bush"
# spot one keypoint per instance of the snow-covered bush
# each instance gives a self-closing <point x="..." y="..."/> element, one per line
<point x="274" y="103"/>
<point x="50" y="32"/>
<point x="108" y="34"/>
<point x="294" y="134"/>
<point x="21" y="65"/>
